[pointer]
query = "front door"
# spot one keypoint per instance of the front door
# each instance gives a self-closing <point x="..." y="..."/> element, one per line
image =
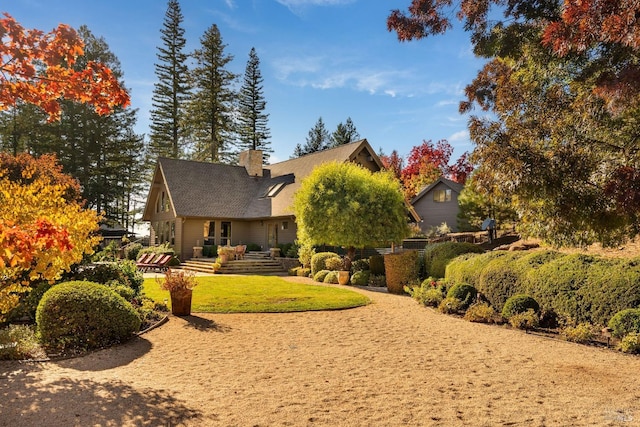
<point x="272" y="234"/>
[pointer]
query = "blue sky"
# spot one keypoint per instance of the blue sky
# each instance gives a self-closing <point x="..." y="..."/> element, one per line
<point x="319" y="58"/>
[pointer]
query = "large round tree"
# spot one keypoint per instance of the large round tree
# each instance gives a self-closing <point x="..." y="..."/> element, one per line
<point x="344" y="204"/>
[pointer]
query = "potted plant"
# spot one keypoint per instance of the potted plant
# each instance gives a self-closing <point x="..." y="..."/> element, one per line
<point x="225" y="253"/>
<point x="180" y="285"/>
<point x="344" y="272"/>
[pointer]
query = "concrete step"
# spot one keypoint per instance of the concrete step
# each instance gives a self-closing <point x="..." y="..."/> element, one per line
<point x="249" y="265"/>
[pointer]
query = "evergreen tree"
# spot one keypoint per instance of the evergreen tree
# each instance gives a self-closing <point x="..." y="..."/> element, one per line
<point x="209" y="120"/>
<point x="172" y="88"/>
<point x="317" y="140"/>
<point x="102" y="152"/>
<point x="253" y="130"/>
<point x="344" y="133"/>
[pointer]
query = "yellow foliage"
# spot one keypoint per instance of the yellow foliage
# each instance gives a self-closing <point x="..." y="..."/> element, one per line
<point x="41" y="234"/>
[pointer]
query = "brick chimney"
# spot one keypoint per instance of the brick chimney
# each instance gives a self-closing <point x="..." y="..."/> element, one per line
<point x="252" y="161"/>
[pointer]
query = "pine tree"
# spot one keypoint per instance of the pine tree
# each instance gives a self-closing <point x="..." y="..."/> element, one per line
<point x="101" y="151"/>
<point x="317" y="140"/>
<point x="172" y="88"/>
<point x="344" y="133"/>
<point x="253" y="130"/>
<point x="209" y="118"/>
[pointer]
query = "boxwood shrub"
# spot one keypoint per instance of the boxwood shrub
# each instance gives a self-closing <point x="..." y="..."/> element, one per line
<point x="331" y="277"/>
<point x="318" y="261"/>
<point x="467" y="268"/>
<point x="84" y="315"/>
<point x="500" y="279"/>
<point x="463" y="292"/>
<point x="114" y="273"/>
<point x="625" y="322"/>
<point x="320" y="275"/>
<point x="360" y="278"/>
<point x="402" y="270"/>
<point x="519" y="303"/>
<point x="438" y="255"/>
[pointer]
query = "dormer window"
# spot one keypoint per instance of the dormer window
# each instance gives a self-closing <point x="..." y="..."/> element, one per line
<point x="442" y="196"/>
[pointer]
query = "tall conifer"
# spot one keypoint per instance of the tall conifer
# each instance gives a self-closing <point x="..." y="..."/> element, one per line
<point x="209" y="119"/>
<point x="253" y="129"/>
<point x="172" y="88"/>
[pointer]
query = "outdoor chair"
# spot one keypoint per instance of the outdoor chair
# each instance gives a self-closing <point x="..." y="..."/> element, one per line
<point x="159" y="263"/>
<point x="145" y="259"/>
<point x="240" y="250"/>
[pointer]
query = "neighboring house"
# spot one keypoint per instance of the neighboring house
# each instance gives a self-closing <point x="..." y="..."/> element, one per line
<point x="194" y="203"/>
<point x="438" y="203"/>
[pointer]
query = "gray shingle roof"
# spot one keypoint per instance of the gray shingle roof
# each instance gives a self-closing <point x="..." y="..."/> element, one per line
<point x="201" y="189"/>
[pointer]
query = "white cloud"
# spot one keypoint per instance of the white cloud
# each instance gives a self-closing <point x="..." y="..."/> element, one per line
<point x="230" y="4"/>
<point x="462" y="135"/>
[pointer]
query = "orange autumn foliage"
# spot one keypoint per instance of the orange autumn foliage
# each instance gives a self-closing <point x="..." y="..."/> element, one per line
<point x="44" y="228"/>
<point x="38" y="68"/>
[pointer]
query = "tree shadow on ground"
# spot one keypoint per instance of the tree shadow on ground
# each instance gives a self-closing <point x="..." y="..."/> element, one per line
<point x="109" y="358"/>
<point x="66" y="402"/>
<point x="202" y="324"/>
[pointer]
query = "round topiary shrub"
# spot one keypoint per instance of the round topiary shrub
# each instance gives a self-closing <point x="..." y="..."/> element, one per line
<point x="84" y="315"/>
<point x="519" y="303"/>
<point x="463" y="292"/>
<point x="320" y="275"/>
<point x="360" y="278"/>
<point x="318" y="261"/>
<point x="331" y="277"/>
<point x="303" y="272"/>
<point x="438" y="255"/>
<point x="625" y="322"/>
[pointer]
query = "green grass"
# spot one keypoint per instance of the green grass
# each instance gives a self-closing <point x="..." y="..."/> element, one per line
<point x="259" y="294"/>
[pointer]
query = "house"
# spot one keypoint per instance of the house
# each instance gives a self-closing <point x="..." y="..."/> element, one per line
<point x="194" y="203"/>
<point x="438" y="203"/>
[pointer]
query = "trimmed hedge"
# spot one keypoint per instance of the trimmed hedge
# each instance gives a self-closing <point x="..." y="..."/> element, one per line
<point x="318" y="261"/>
<point x="467" y="268"/>
<point x="438" y="255"/>
<point x="519" y="303"/>
<point x="500" y="279"/>
<point x="84" y="315"/>
<point x="402" y="269"/>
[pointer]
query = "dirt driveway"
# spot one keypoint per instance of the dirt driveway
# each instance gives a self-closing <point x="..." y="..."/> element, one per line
<point x="392" y="363"/>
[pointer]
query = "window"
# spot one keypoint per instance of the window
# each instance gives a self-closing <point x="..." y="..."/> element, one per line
<point x="225" y="233"/>
<point x="285" y="225"/>
<point x="441" y="196"/>
<point x="273" y="189"/>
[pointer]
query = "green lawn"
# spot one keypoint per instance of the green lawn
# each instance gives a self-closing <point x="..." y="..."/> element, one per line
<point x="259" y="294"/>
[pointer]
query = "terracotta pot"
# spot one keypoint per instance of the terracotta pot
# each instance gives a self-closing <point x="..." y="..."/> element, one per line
<point x="343" y="277"/>
<point x="181" y="302"/>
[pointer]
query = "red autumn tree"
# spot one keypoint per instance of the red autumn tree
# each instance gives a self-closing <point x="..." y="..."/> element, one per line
<point x="394" y="163"/>
<point x="428" y="162"/>
<point x="37" y="68"/>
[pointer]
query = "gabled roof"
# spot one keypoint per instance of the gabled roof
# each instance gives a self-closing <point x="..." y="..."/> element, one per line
<point x="201" y="189"/>
<point x="454" y="186"/>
